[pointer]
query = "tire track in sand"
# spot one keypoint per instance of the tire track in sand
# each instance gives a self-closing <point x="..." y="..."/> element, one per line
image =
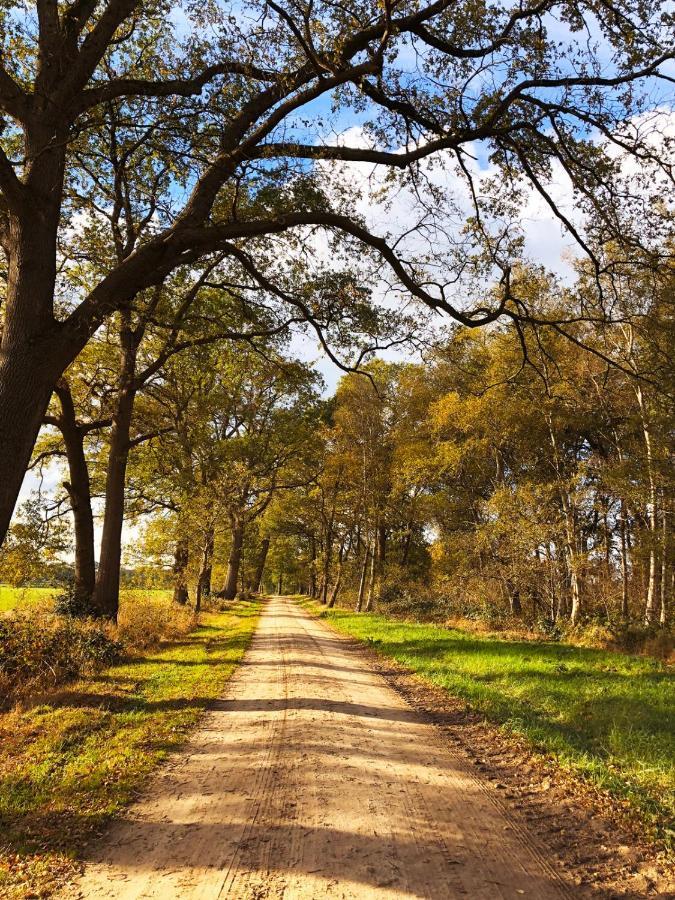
<point x="313" y="778"/>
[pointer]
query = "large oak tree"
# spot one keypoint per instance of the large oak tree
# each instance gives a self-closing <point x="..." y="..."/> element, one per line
<point x="227" y="103"/>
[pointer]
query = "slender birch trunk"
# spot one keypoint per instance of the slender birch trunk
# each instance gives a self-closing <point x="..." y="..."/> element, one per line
<point x="652" y="508"/>
<point x="363" y="579"/>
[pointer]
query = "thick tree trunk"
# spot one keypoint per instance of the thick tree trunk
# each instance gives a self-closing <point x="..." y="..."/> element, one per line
<point x="79" y="491"/>
<point x="106" y="594"/>
<point x="206" y="569"/>
<point x="234" y="561"/>
<point x="180" y="567"/>
<point x="32" y="354"/>
<point x="25" y="390"/>
<point x="257" y="582"/>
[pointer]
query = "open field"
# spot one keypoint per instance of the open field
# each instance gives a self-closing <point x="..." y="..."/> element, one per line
<point x="18" y="598"/>
<point x="21" y="598"/>
<point x="607" y="716"/>
<point x="312" y="778"/>
<point x="79" y="756"/>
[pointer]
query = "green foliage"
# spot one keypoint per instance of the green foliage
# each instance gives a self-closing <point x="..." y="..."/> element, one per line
<point x="511" y="476"/>
<point x="32" y="544"/>
<point x="38" y="652"/>
<point x="72" y="603"/>
<point x="607" y="716"/>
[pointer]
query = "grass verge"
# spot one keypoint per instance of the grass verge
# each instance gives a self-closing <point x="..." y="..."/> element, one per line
<point x="71" y="762"/>
<point x="605" y="715"/>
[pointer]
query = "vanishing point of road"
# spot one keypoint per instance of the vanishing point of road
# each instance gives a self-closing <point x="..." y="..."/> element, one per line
<point x="313" y="778"/>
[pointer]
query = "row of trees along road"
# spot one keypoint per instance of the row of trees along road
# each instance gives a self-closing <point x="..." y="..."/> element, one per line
<point x="488" y="481"/>
<point x="515" y="470"/>
<point x="209" y="437"/>
<point x="143" y="143"/>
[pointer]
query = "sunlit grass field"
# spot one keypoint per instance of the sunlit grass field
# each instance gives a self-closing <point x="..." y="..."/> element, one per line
<point x="606" y="715"/>
<point x="18" y="598"/>
<point x="23" y="598"/>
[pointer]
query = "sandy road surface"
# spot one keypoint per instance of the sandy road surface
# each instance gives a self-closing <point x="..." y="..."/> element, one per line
<point x="312" y="778"/>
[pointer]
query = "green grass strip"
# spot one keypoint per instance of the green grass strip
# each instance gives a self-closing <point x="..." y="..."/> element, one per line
<point x="605" y="715"/>
<point x="13" y="598"/>
<point x="70" y="763"/>
<point x="23" y="598"/>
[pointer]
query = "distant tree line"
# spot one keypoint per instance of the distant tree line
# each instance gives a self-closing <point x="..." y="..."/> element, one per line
<point x="510" y="474"/>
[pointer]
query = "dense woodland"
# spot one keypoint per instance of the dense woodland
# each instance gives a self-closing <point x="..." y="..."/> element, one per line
<point x="510" y="474"/>
<point x="181" y="211"/>
<point x="480" y="481"/>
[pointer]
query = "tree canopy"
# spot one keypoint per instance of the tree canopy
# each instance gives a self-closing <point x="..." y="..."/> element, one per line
<point x="169" y="132"/>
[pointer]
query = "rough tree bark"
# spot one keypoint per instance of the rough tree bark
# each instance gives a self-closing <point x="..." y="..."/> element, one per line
<point x="257" y="581"/>
<point x="234" y="561"/>
<point x="79" y="492"/>
<point x="31" y="355"/>
<point x="106" y="594"/>
<point x="180" y="567"/>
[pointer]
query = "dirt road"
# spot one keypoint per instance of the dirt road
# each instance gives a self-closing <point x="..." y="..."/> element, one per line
<point x="312" y="778"/>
